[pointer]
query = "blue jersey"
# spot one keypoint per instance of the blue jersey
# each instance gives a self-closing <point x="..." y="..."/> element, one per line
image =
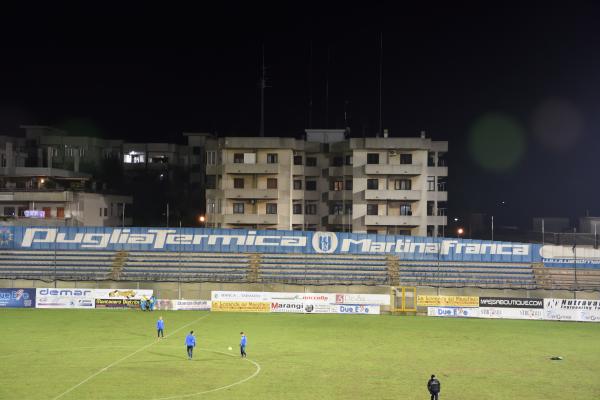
<point x="243" y="341"/>
<point x="160" y="324"/>
<point x="190" y="340"/>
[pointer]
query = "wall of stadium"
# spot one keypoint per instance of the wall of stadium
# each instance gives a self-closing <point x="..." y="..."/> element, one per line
<point x="407" y="248"/>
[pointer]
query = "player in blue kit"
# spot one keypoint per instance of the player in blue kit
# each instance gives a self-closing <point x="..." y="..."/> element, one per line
<point x="190" y="343"/>
<point x="243" y="342"/>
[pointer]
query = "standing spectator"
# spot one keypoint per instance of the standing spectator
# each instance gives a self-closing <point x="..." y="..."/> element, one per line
<point x="160" y="327"/>
<point x="190" y="342"/>
<point x="434" y="386"/>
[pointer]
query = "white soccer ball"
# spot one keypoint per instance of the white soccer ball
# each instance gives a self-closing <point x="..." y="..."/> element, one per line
<point x="229" y="348"/>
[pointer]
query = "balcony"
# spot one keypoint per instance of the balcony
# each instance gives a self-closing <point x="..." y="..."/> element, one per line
<point x="340" y="195"/>
<point x="250" y="193"/>
<point x="36" y="195"/>
<point x="235" y="168"/>
<point x="388" y="220"/>
<point x="409" y="195"/>
<point x="340" y="171"/>
<point x="437" y="171"/>
<point x="339" y="219"/>
<point x="384" y="169"/>
<point x="312" y="171"/>
<point x="439" y="196"/>
<point x="254" y="219"/>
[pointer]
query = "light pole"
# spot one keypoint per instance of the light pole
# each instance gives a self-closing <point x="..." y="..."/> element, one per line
<point x="459" y="232"/>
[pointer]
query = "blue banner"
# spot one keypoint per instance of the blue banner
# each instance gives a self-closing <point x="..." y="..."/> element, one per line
<point x="17" y="298"/>
<point x="406" y="248"/>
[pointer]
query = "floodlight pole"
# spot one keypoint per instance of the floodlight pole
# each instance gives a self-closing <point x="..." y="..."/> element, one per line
<point x="179" y="278"/>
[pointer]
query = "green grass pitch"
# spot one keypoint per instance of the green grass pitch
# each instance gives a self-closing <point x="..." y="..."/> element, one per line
<point x="64" y="354"/>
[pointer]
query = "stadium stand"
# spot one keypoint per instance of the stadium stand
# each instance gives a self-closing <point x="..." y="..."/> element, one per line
<point x="584" y="277"/>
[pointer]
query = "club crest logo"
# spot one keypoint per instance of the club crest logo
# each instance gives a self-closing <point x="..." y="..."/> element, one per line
<point x="6" y="237"/>
<point x="324" y="242"/>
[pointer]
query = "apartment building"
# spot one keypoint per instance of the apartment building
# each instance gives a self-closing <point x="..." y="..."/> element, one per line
<point x="328" y="182"/>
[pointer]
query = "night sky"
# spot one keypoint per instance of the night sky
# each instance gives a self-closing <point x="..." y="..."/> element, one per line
<point x="515" y="89"/>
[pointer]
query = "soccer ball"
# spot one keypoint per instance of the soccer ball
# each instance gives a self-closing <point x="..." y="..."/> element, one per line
<point x="229" y="348"/>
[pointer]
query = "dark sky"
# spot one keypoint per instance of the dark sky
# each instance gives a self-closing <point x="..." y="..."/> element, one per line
<point x="514" y="88"/>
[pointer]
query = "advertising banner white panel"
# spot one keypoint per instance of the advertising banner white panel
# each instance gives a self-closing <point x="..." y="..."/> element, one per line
<point x="136" y="294"/>
<point x="183" y="305"/>
<point x="511" y="313"/>
<point x="64" y="298"/>
<point x="453" y="312"/>
<point x="572" y="310"/>
<point x="313" y="298"/>
<point x="310" y="308"/>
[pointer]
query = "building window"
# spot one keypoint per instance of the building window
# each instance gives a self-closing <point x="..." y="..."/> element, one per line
<point x="372" y="158"/>
<point x="402" y="184"/>
<point x="311" y="161"/>
<point x="349" y="160"/>
<point x="372" y="232"/>
<point x="211" y="181"/>
<point x="105" y="211"/>
<point x="134" y="157"/>
<point x="404" y="232"/>
<point x="310" y="209"/>
<point x="271" y="208"/>
<point x="238" y="158"/>
<point x="348" y="208"/>
<point x="430" y="230"/>
<point x="337" y="185"/>
<point x="431" y="183"/>
<point x="337" y="161"/>
<point x="271" y="183"/>
<point x="442" y="161"/>
<point x="372" y="209"/>
<point x="100" y="211"/>
<point x="297" y="160"/>
<point x="430" y="208"/>
<point x="311" y="185"/>
<point x="238" y="208"/>
<point x="336" y="209"/>
<point x="238" y="183"/>
<point x="297" y="208"/>
<point x="405" y="158"/>
<point x="372" y="184"/>
<point x="348" y="184"/>
<point x="441" y="186"/>
<point x="211" y="156"/>
<point x="297" y="184"/>
<point x="405" y="209"/>
<point x="272" y="158"/>
<point x="431" y="159"/>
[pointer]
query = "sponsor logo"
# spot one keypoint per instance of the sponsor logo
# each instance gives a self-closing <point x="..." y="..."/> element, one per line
<point x="65" y="292"/>
<point x="573" y="304"/>
<point x="6" y="237"/>
<point x="122" y="293"/>
<point x="324" y="242"/>
<point x="293" y="307"/>
<point x="14" y="295"/>
<point x="358" y="309"/>
<point x="510" y="302"/>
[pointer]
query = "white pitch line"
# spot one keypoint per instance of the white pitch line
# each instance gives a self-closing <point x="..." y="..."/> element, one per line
<point x="183" y="396"/>
<point x="124" y="358"/>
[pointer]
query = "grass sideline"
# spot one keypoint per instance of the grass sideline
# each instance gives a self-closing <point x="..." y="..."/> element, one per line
<point x="43" y="353"/>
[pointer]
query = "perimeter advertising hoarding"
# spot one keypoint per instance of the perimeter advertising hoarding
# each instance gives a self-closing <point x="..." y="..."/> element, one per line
<point x="313" y="298"/>
<point x="572" y="310"/>
<point x="447" y="301"/>
<point x="310" y="308"/>
<point x="117" y="303"/>
<point x="453" y="312"/>
<point x="511" y="302"/>
<point x="183" y="305"/>
<point x="240" y="306"/>
<point x="17" y="298"/>
<point x="64" y="298"/>
<point x="83" y="298"/>
<point x="511" y="313"/>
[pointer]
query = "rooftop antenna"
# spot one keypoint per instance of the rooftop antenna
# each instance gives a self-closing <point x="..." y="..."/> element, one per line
<point x="380" y="81"/>
<point x="263" y="86"/>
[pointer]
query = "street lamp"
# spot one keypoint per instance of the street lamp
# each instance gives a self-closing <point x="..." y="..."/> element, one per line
<point x="201" y="220"/>
<point x="459" y="232"/>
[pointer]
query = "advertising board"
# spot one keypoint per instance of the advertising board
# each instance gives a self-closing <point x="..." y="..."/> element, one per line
<point x="453" y="312"/>
<point x="511" y="313"/>
<point x="241" y="306"/>
<point x="64" y="298"/>
<point x="117" y="303"/>
<point x="447" y="301"/>
<point x="17" y="298"/>
<point x="572" y="310"/>
<point x="511" y="302"/>
<point x="308" y="308"/>
<point x="352" y="298"/>
<point x="190" y="305"/>
<point x="312" y="298"/>
<point x="122" y="293"/>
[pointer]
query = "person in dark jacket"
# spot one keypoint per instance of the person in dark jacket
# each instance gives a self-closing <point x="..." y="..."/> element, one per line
<point x="434" y="386"/>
